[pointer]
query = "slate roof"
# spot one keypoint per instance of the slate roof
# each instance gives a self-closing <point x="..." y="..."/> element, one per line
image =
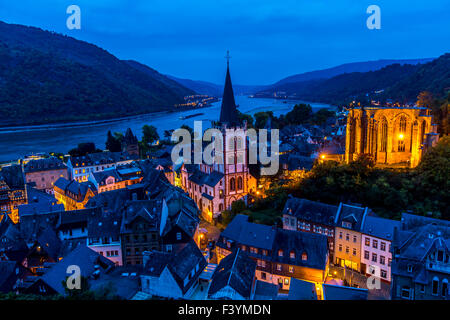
<point x="273" y="239"/>
<point x="332" y="292"/>
<point x="412" y="221"/>
<point x="228" y="110"/>
<point x="236" y="270"/>
<point x="150" y="210"/>
<point x="180" y="264"/>
<point x="100" y="158"/>
<point x="129" y="137"/>
<point x="39" y="202"/>
<point x="36" y="195"/>
<point x="110" y="200"/>
<point x="75" y="187"/>
<point x="32" y="225"/>
<point x="46" y="164"/>
<point x="124" y="287"/>
<point x="302" y="290"/>
<point x="380" y="228"/>
<point x="13" y="176"/>
<point x="184" y="220"/>
<point x="104" y="224"/>
<point x="101" y="176"/>
<point x="265" y="291"/>
<point x="314" y="245"/>
<point x="7" y="271"/>
<point x="83" y="257"/>
<point x="250" y="234"/>
<point x="353" y="214"/>
<point x="50" y="242"/>
<point x="72" y="219"/>
<point x="209" y="179"/>
<point x="313" y="211"/>
<point x="414" y="246"/>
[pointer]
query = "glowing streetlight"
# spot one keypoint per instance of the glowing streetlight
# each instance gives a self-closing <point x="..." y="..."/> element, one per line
<point x="322" y="157"/>
<point x="401" y="136"/>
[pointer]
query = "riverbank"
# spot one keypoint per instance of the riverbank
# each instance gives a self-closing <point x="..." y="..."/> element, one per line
<point x="19" y="141"/>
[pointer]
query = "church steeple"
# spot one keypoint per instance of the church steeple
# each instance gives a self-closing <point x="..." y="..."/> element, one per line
<point x="228" y="111"/>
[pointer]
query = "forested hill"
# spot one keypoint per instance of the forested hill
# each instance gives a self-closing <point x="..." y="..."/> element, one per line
<point x="48" y="77"/>
<point x="397" y="82"/>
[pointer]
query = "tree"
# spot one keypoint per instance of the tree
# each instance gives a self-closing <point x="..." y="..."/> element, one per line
<point x="425" y="99"/>
<point x="261" y="118"/>
<point x="83" y="149"/>
<point x="227" y="216"/>
<point x="321" y="116"/>
<point x="149" y="134"/>
<point x="300" y="114"/>
<point x="238" y="206"/>
<point x="112" y="143"/>
<point x="245" y="117"/>
<point x="168" y="133"/>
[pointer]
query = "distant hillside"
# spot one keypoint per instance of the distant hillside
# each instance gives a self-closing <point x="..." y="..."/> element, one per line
<point x="48" y="77"/>
<point x="399" y="82"/>
<point x="348" y="68"/>
<point x="202" y="87"/>
<point x="212" y="89"/>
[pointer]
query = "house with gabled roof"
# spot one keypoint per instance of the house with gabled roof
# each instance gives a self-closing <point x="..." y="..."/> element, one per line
<point x="349" y="223"/>
<point x="72" y="194"/>
<point x="421" y="259"/>
<point x="173" y="274"/>
<point x="234" y="277"/>
<point x="43" y="173"/>
<point x="311" y="216"/>
<point x="80" y="167"/>
<point x="90" y="264"/>
<point x="376" y="241"/>
<point x="280" y="254"/>
<point x="141" y="229"/>
<point x="103" y="234"/>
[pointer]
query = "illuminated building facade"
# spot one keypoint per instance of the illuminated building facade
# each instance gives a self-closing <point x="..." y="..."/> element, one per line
<point x="73" y="195"/>
<point x="391" y="135"/>
<point x="215" y="187"/>
<point x="280" y="254"/>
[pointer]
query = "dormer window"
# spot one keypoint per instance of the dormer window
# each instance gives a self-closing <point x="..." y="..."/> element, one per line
<point x="346" y="224"/>
<point x="280" y="253"/>
<point x="292" y="255"/>
<point x="410" y="268"/>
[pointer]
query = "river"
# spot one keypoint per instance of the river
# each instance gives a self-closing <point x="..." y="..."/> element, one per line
<point x="18" y="142"/>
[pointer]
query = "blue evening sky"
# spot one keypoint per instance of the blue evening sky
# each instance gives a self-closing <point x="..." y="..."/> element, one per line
<point x="268" y="39"/>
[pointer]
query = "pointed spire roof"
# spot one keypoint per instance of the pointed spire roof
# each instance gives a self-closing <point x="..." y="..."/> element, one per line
<point x="228" y="112"/>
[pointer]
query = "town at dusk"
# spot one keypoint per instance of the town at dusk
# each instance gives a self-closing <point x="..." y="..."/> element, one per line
<point x="224" y="159"/>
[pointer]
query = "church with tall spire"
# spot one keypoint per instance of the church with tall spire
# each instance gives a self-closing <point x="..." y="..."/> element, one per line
<point x="228" y="111"/>
<point x="215" y="187"/>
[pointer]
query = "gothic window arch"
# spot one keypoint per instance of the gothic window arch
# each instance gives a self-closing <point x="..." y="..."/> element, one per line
<point x="401" y="134"/>
<point x="423" y="129"/>
<point x="232" y="184"/>
<point x="383" y="135"/>
<point x="239" y="183"/>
